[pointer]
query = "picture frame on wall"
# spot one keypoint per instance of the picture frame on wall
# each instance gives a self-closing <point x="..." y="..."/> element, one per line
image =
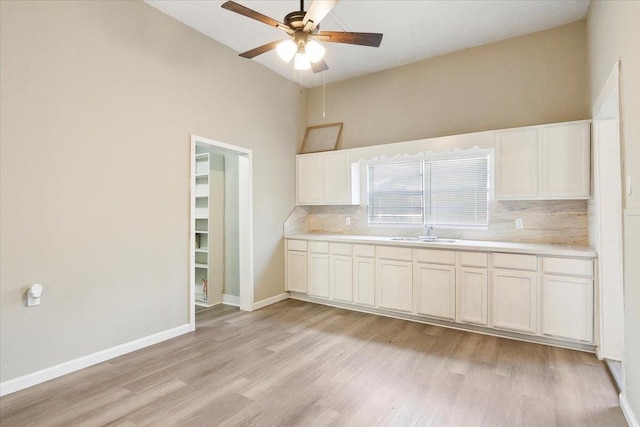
<point x="321" y="138"/>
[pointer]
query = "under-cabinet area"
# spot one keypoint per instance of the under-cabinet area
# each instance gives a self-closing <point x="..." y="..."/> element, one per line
<point x="534" y="292"/>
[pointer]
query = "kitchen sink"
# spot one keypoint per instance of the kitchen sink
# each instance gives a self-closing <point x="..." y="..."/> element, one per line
<point x="423" y="239"/>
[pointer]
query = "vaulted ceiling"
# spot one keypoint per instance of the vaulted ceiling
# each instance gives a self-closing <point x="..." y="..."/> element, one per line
<point x="414" y="30"/>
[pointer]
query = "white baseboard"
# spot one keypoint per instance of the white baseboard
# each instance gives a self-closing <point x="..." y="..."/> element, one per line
<point x="231" y="300"/>
<point x="269" y="301"/>
<point x="34" y="378"/>
<point x="628" y="413"/>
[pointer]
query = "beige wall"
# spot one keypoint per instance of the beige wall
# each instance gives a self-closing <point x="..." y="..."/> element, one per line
<point x="98" y="101"/>
<point x="533" y="79"/>
<point x="614" y="33"/>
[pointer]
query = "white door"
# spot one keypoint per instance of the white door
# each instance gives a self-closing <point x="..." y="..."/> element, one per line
<point x="394" y="284"/>
<point x="514" y="300"/>
<point x="472" y="295"/>
<point x="297" y="271"/>
<point x="318" y="275"/>
<point x="309" y="179"/>
<point x="363" y="278"/>
<point x="436" y="290"/>
<point x="341" y="269"/>
<point x="517" y="164"/>
<point x="567" y="307"/>
<point x="566" y="161"/>
<point x="336" y="175"/>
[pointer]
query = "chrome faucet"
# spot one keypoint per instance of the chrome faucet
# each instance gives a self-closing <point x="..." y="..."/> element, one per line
<point x="428" y="229"/>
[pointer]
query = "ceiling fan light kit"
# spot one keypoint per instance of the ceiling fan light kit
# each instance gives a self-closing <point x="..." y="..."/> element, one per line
<point x="303" y="28"/>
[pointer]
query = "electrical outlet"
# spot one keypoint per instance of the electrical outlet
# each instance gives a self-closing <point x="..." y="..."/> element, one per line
<point x="519" y="223"/>
<point x="347" y="220"/>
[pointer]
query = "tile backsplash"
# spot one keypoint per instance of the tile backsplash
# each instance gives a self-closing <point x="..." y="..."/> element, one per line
<point x="545" y="221"/>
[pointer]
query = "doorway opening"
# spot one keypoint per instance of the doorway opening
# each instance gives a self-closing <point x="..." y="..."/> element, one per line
<point x="221" y="226"/>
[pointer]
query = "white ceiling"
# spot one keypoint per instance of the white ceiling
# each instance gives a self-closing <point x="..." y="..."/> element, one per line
<point x="413" y="30"/>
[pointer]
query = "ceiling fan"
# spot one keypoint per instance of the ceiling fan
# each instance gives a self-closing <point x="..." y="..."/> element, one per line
<point x="304" y="31"/>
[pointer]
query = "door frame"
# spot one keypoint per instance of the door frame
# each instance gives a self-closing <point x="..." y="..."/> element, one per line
<point x="607" y="162"/>
<point x="245" y="221"/>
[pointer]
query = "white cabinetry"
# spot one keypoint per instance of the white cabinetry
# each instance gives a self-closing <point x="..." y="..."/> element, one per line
<point x="341" y="272"/>
<point x="296" y="266"/>
<point x="434" y="277"/>
<point x="364" y="274"/>
<point x="514" y="292"/>
<point x="201" y="227"/>
<point x="326" y="179"/>
<point x="543" y="162"/>
<point x="567" y="298"/>
<point x="394" y="278"/>
<point x="517" y="164"/>
<point x="472" y="288"/>
<point x="309" y="169"/>
<point x="566" y="161"/>
<point x="318" y="269"/>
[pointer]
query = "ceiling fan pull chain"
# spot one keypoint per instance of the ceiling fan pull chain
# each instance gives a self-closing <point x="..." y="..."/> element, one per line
<point x="324" y="113"/>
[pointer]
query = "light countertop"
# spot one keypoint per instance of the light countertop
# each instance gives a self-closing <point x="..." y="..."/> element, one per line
<point x="467" y="245"/>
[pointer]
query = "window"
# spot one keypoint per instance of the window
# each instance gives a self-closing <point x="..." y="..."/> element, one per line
<point x="446" y="192"/>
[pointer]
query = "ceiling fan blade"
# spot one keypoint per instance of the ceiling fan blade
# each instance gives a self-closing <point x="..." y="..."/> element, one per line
<point x="260" y="50"/>
<point x="250" y="13"/>
<point x="363" y="39"/>
<point x="319" y="66"/>
<point x="316" y="13"/>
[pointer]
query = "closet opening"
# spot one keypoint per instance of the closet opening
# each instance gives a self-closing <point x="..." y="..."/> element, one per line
<point x="221" y="232"/>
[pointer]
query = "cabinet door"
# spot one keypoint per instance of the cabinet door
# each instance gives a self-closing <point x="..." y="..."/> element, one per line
<point x="297" y="271"/>
<point x="514" y="300"/>
<point x="309" y="179"/>
<point x="567" y="307"/>
<point x="336" y="178"/>
<point x="363" y="278"/>
<point x="394" y="284"/>
<point x="517" y="164"/>
<point x="436" y="290"/>
<point x="472" y="295"/>
<point x="341" y="270"/>
<point x="318" y="276"/>
<point x="566" y="161"/>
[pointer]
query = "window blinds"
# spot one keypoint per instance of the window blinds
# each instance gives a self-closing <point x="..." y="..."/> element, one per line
<point x="449" y="192"/>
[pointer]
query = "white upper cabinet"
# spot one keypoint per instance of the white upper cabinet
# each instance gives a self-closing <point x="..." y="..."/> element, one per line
<point x="544" y="162"/>
<point x="566" y="161"/>
<point x="309" y="184"/>
<point x="517" y="164"/>
<point x="326" y="179"/>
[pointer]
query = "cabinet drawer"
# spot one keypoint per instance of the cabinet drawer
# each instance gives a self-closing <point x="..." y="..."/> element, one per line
<point x="473" y="259"/>
<point x="434" y="257"/>
<point x="364" y="250"/>
<point x="400" y="254"/>
<point x="297" y="245"/>
<point x="319" y="247"/>
<point x="340" y="249"/>
<point x="569" y="266"/>
<point x="515" y="262"/>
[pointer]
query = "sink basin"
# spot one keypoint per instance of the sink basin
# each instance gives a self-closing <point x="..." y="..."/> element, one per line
<point x="423" y="239"/>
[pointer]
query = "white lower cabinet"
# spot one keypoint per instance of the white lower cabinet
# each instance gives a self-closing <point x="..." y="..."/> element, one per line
<point x="567" y="298"/>
<point x="394" y="282"/>
<point x="514" y="300"/>
<point x="318" y="269"/>
<point x="341" y="272"/>
<point x="364" y="275"/>
<point x="523" y="293"/>
<point x="296" y="271"/>
<point x="435" y="290"/>
<point x="472" y="295"/>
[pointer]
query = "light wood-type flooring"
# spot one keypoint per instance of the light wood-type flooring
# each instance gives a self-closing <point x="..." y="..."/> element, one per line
<point x="301" y="364"/>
